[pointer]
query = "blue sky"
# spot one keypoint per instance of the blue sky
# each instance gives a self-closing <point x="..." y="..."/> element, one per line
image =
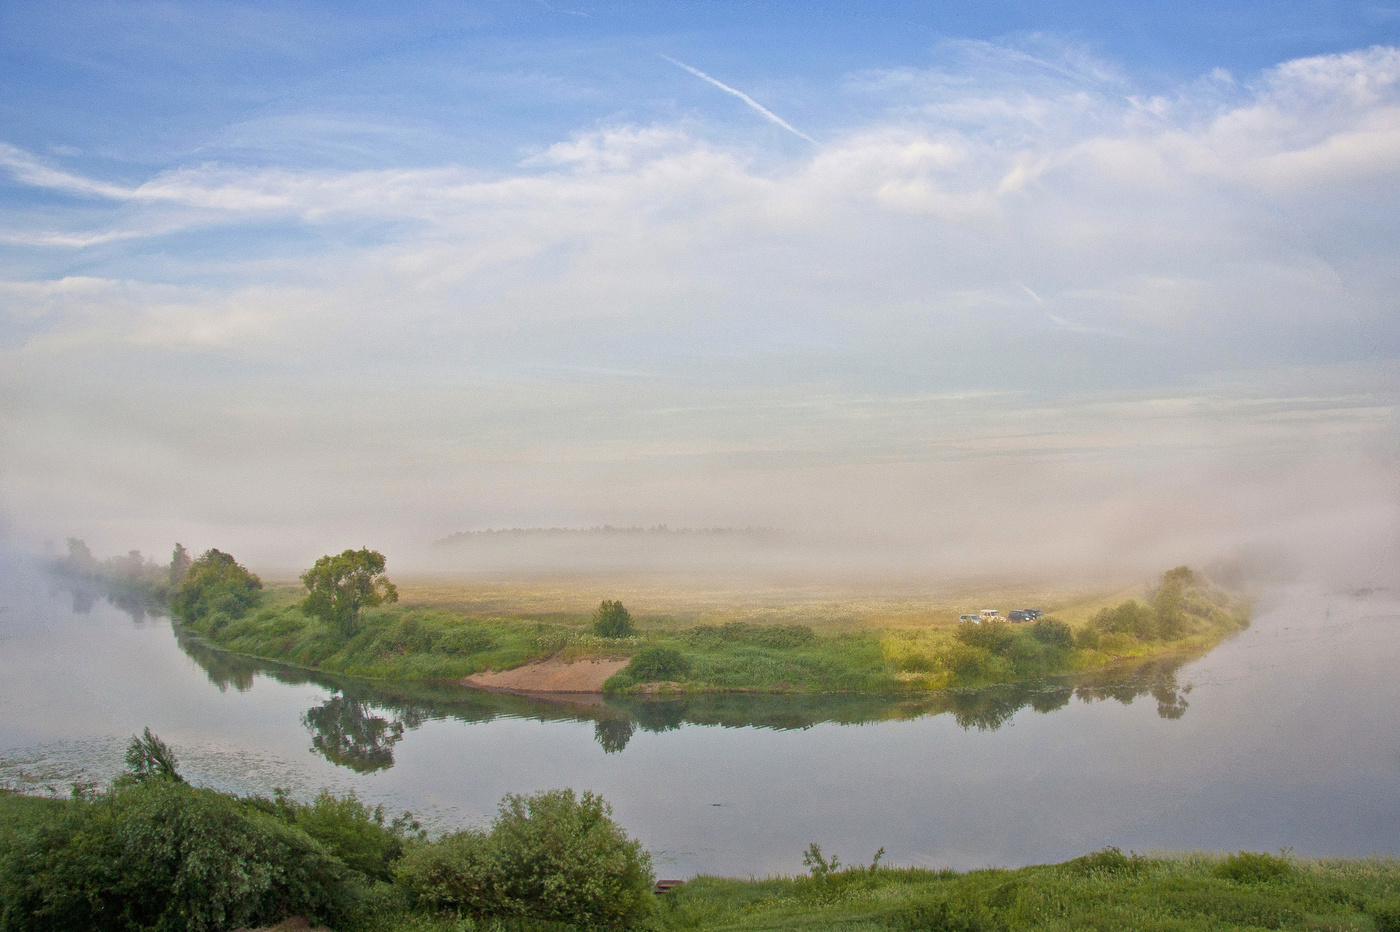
<point x="303" y="272"/>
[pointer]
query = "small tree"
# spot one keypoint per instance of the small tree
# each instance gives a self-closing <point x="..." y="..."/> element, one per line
<point x="179" y="566"/>
<point x="612" y="620"/>
<point x="147" y="756"/>
<point x="340" y="587"/>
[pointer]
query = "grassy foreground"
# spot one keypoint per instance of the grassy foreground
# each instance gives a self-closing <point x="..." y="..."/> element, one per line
<point x="431" y="636"/>
<point x="1106" y="890"/>
<point x="369" y="880"/>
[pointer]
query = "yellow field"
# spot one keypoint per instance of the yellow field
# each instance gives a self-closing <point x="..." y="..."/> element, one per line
<point x="661" y="603"/>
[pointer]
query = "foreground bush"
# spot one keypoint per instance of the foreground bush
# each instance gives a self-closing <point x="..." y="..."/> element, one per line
<point x="552" y="856"/>
<point x="160" y="854"/>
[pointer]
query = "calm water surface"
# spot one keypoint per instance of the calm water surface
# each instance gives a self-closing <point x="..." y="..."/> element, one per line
<point x="1288" y="735"/>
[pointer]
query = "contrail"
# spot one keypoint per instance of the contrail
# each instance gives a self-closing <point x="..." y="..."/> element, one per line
<point x="745" y="98"/>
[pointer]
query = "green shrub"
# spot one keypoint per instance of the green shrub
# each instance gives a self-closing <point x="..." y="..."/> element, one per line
<point x="465" y="639"/>
<point x="352" y="831"/>
<point x="612" y="620"/>
<point x="1110" y="860"/>
<point x="1130" y="617"/>
<point x="164" y="855"/>
<point x="970" y="662"/>
<point x="993" y="636"/>
<point x="1253" y="867"/>
<point x="566" y="860"/>
<point x="216" y="583"/>
<point x="460" y="873"/>
<point x="1087" y="638"/>
<point x="551" y="857"/>
<point x="1385" y="914"/>
<point x="1053" y="633"/>
<point x="654" y="664"/>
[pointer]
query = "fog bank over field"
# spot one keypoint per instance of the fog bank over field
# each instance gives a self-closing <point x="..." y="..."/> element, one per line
<point x="834" y="486"/>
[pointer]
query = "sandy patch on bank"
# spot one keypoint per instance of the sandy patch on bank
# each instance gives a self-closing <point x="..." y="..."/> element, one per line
<point x="551" y="676"/>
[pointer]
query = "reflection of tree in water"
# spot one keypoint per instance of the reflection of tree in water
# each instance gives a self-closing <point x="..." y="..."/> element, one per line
<point x="347" y="733"/>
<point x="613" y="733"/>
<point x="358" y="726"/>
<point x="85" y="593"/>
<point x="224" y="668"/>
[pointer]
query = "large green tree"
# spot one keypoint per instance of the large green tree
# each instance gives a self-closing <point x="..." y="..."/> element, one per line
<point x="340" y="587"/>
<point x="216" y="583"/>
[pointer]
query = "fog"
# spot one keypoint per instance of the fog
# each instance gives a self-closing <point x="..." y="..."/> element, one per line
<point x="1011" y="319"/>
<point x="830" y="487"/>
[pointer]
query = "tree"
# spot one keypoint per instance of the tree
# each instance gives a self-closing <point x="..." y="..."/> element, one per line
<point x="216" y="583"/>
<point x="612" y="620"/>
<point x="340" y="587"/>
<point x="179" y="566"/>
<point x="147" y="756"/>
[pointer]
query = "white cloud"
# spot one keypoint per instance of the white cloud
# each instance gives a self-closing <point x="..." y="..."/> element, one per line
<point x="643" y="309"/>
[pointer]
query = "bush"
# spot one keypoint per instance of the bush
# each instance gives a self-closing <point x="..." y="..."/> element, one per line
<point x="1053" y="633"/>
<point x="460" y="873"/>
<point x="161" y="854"/>
<point x="352" y="831"/>
<point x="1110" y="860"/>
<point x="970" y="662"/>
<point x="1386" y="914"/>
<point x="1130" y="617"/>
<point x="465" y="639"/>
<point x="564" y="859"/>
<point x="994" y="636"/>
<point x="653" y="664"/>
<point x="612" y="620"/>
<point x="1253" y="867"/>
<point x="553" y="857"/>
<point x="216" y="583"/>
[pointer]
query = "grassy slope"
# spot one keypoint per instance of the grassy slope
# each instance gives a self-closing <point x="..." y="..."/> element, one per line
<point x="20" y="814"/>
<point x="1172" y="893"/>
<point x="794" y="640"/>
<point x="1103" y="891"/>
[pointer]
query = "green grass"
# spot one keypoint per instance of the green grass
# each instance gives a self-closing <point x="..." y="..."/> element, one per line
<point x="20" y="814"/>
<point x="1104" y="891"/>
<point x="754" y="647"/>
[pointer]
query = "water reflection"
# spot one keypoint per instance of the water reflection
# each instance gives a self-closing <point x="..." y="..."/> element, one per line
<point x="361" y="722"/>
<point x="86" y="592"/>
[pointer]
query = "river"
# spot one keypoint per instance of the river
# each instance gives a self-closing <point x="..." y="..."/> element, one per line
<point x="1284" y="736"/>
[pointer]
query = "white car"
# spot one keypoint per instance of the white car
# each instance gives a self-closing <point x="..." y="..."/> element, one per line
<point x="975" y="619"/>
<point x="990" y="614"/>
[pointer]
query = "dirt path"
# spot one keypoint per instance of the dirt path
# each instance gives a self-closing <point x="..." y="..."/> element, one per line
<point x="551" y="676"/>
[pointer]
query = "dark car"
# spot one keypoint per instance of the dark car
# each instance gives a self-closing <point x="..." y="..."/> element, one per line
<point x="1018" y="616"/>
<point x="1031" y="613"/>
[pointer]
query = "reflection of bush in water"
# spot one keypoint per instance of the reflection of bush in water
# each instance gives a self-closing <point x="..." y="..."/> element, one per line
<point x="347" y="733"/>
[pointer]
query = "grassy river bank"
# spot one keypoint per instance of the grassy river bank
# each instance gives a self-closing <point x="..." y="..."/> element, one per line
<point x="161" y="854"/>
<point x="428" y="637"/>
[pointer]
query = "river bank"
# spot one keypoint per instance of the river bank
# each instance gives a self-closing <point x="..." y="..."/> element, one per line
<point x="1178" y="615"/>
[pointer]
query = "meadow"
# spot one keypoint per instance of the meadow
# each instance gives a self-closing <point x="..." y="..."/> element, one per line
<point x="686" y="638"/>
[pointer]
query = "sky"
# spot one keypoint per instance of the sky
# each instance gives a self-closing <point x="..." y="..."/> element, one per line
<point x="959" y="286"/>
